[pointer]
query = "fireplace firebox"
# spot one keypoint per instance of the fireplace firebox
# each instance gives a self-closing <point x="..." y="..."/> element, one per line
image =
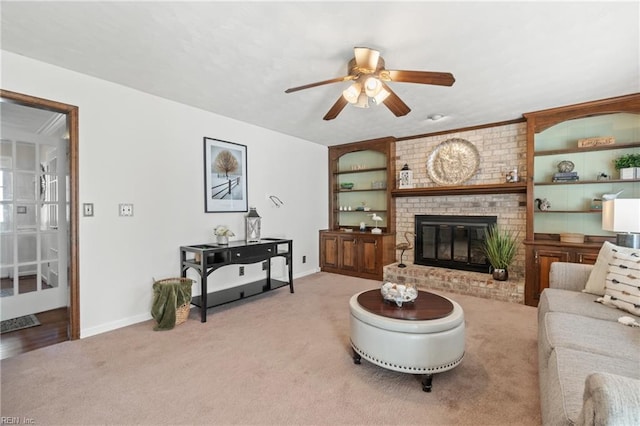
<point x="454" y="242"/>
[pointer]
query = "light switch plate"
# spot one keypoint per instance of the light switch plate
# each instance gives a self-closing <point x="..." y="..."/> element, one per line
<point x="126" y="209"/>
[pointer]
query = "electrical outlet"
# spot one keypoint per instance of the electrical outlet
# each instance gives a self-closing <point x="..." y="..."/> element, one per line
<point x="241" y="270"/>
<point x="126" y="209"/>
<point x="304" y="259"/>
<point x="87" y="208"/>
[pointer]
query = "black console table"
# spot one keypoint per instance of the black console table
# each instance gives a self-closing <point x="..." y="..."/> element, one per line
<point x="206" y="258"/>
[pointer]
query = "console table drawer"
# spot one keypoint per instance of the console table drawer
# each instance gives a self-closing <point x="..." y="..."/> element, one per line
<point x="249" y="253"/>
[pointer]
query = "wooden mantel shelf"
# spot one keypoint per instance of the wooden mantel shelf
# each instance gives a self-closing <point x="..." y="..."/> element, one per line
<point x="490" y="188"/>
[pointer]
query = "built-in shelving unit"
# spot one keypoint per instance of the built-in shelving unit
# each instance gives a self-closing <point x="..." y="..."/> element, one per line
<point x="552" y="138"/>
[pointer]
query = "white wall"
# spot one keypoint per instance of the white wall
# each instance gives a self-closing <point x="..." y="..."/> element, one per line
<point x="141" y="149"/>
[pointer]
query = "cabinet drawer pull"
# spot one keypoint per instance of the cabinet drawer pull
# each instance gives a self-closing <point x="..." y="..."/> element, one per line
<point x="237" y="254"/>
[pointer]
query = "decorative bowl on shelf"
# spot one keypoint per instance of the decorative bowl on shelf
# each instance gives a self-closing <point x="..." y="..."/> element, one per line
<point x="399" y="293"/>
<point x="565" y="166"/>
<point x="346" y="185"/>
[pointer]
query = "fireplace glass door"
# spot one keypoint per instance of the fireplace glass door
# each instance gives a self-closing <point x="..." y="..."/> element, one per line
<point x="455" y="242"/>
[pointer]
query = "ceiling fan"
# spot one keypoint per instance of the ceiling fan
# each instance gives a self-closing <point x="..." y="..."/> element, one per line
<point x="369" y="75"/>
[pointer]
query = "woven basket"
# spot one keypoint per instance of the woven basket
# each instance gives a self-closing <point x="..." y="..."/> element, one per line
<point x="182" y="312"/>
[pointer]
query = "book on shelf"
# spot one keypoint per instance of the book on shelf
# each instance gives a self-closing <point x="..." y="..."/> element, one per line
<point x="565" y="177"/>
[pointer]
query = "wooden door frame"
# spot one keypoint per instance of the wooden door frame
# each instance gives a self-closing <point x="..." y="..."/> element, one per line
<point x="71" y="112"/>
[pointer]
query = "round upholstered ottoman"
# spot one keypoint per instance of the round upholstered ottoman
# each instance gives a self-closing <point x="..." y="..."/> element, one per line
<point x="423" y="337"/>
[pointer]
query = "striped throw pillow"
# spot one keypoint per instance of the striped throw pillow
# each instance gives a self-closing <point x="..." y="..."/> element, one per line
<point x="622" y="285"/>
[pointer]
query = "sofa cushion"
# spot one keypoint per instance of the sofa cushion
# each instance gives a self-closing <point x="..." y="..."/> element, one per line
<point x="566" y="375"/>
<point x="589" y="334"/>
<point x="596" y="282"/>
<point x="573" y="302"/>
<point x="622" y="285"/>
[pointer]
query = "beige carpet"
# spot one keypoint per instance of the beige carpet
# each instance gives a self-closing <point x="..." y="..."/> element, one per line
<point x="276" y="359"/>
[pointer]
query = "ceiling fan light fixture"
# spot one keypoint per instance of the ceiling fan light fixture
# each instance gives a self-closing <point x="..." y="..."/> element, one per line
<point x="363" y="101"/>
<point x="372" y="86"/>
<point x="381" y="96"/>
<point x="352" y="93"/>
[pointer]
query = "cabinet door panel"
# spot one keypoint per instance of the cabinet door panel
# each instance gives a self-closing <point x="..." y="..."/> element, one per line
<point x="329" y="251"/>
<point x="369" y="255"/>
<point x="544" y="259"/>
<point x="349" y="253"/>
<point x="588" y="258"/>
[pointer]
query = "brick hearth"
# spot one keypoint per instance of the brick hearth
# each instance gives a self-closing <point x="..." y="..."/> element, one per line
<point x="462" y="282"/>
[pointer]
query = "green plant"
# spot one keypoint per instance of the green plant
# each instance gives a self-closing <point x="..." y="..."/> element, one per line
<point x="627" y="160"/>
<point x="500" y="246"/>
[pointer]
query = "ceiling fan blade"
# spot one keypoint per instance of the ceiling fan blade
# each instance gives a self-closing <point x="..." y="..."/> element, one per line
<point x="366" y="58"/>
<point x="320" y="83"/>
<point x="422" y="77"/>
<point x="336" y="108"/>
<point x="395" y="104"/>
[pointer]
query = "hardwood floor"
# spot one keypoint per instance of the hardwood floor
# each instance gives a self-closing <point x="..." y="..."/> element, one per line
<point x="52" y="330"/>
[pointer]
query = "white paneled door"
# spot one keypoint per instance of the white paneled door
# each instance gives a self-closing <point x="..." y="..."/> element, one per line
<point x="34" y="220"/>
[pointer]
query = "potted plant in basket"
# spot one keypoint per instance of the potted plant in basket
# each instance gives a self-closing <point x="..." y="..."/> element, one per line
<point x="500" y="247"/>
<point x="628" y="165"/>
<point x="222" y="233"/>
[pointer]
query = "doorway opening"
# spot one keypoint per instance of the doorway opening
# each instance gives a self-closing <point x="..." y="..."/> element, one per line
<point x="39" y="221"/>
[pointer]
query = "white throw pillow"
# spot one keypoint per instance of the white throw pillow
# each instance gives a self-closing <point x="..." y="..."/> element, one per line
<point x="622" y="287"/>
<point x="596" y="282"/>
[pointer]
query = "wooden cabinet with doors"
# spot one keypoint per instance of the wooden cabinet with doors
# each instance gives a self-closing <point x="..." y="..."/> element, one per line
<point x="544" y="252"/>
<point x="358" y="254"/>
<point x="552" y="145"/>
<point x="361" y="177"/>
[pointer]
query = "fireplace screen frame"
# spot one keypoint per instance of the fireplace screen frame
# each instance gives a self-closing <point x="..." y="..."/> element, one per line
<point x="444" y="226"/>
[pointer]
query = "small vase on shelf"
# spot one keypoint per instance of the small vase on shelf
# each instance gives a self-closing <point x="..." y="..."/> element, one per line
<point x="222" y="239"/>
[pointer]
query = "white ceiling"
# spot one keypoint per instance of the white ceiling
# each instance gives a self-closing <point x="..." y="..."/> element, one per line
<point x="237" y="58"/>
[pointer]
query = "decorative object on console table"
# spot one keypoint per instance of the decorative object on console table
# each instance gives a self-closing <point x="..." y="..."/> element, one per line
<point x="628" y="165"/>
<point x="406" y="177"/>
<point x="222" y="233"/>
<point x="253" y="226"/>
<point x="500" y="247"/>
<point x="225" y="176"/>
<point x="622" y="215"/>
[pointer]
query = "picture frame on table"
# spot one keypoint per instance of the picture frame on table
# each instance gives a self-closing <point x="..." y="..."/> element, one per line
<point x="225" y="176"/>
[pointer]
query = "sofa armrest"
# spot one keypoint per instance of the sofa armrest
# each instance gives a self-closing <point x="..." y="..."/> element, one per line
<point x="610" y="399"/>
<point x="569" y="276"/>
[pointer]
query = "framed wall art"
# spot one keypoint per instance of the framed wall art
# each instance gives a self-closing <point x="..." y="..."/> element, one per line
<point x="225" y="176"/>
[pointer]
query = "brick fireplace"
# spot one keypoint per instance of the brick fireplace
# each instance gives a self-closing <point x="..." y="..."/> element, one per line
<point x="501" y="148"/>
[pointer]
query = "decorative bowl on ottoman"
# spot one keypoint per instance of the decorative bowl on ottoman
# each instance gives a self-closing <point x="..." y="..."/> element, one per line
<point x="399" y="293"/>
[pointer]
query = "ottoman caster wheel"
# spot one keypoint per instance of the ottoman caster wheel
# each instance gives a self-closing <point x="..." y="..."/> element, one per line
<point x="426" y="382"/>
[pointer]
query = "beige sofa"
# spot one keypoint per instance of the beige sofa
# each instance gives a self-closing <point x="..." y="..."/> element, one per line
<point x="589" y="362"/>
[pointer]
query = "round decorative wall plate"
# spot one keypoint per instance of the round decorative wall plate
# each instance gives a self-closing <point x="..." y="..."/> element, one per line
<point x="453" y="162"/>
